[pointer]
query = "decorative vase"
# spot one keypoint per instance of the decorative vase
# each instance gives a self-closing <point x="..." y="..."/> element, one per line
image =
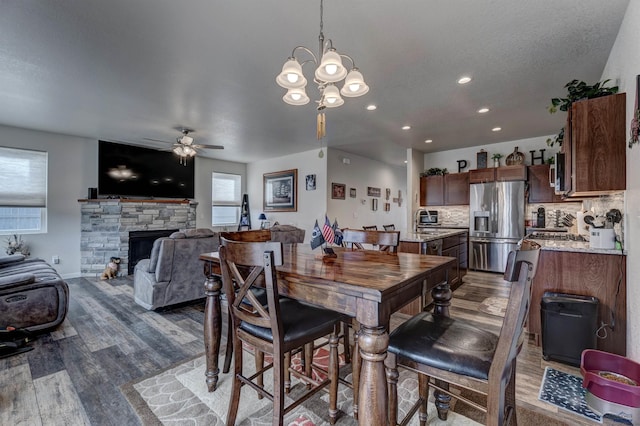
<point x="515" y="158"/>
<point x="496" y="163"/>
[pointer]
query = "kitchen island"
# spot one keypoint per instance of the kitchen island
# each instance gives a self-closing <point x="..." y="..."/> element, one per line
<point x="573" y="267"/>
<point x="440" y="242"/>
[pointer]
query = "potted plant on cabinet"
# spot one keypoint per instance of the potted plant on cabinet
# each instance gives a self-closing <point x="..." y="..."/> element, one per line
<point x="577" y="91"/>
<point x="496" y="159"/>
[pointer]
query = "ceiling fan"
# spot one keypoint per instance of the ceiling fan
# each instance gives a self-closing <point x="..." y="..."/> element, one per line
<point x="185" y="148"/>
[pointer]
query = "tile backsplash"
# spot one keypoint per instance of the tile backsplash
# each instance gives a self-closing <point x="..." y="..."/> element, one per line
<point x="599" y="206"/>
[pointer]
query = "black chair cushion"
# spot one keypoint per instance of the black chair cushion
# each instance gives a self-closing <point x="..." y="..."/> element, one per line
<point x="446" y="344"/>
<point x="300" y="322"/>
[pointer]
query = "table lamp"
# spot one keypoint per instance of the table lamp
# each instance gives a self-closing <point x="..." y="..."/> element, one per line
<point x="262" y="217"/>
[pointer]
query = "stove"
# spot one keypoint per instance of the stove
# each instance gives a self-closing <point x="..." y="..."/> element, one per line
<point x="556" y="236"/>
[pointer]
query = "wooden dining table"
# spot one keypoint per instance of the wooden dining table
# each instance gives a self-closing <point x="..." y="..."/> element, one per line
<point x="364" y="284"/>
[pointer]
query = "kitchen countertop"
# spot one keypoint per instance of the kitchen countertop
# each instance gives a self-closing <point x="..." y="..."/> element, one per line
<point x="433" y="234"/>
<point x="575" y="246"/>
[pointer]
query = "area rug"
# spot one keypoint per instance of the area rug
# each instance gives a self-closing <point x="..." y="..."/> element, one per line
<point x="566" y="392"/>
<point x="496" y="306"/>
<point x="178" y="396"/>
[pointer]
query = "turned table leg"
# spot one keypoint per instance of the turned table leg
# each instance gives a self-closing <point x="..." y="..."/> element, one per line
<point x="212" y="327"/>
<point x="372" y="401"/>
<point x="442" y="300"/>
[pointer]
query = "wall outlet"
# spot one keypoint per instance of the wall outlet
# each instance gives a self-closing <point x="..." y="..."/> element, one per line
<point x="55" y="260"/>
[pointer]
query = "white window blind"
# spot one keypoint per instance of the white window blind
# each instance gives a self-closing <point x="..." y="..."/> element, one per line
<point x="226" y="199"/>
<point x="23" y="178"/>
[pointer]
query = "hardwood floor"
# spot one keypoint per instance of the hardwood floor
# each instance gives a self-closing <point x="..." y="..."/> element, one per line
<point x="73" y="375"/>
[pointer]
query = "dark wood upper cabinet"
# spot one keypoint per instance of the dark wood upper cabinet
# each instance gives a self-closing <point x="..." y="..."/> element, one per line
<point x="482" y="175"/>
<point x="456" y="189"/>
<point x="432" y="190"/>
<point x="595" y="146"/>
<point x="540" y="190"/>
<point x="509" y="173"/>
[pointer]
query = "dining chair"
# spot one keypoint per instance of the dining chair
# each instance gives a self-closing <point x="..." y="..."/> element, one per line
<point x="385" y="240"/>
<point x="254" y="236"/>
<point x="278" y="328"/>
<point x="391" y="227"/>
<point x="455" y="351"/>
<point x="370" y="228"/>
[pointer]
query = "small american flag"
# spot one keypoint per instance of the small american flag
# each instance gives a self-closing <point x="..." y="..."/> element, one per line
<point x="327" y="231"/>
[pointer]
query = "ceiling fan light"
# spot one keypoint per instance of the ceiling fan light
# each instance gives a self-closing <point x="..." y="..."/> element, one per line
<point x="332" y="98"/>
<point x="179" y="150"/>
<point x="331" y="69"/>
<point x="291" y="76"/>
<point x="186" y="140"/>
<point x="296" y="97"/>
<point x="354" y="84"/>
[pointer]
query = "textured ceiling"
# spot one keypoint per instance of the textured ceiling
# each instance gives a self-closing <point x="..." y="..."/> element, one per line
<point x="126" y="70"/>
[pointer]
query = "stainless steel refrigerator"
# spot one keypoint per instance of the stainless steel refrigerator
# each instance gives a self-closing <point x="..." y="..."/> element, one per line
<point x="496" y="223"/>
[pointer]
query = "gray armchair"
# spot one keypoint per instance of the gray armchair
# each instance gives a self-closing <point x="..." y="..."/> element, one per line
<point x="174" y="273"/>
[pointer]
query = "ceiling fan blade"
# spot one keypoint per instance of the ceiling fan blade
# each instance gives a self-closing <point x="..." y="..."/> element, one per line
<point x="156" y="140"/>
<point x="210" y="146"/>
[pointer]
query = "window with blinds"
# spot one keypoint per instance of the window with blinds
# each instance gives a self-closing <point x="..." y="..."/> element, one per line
<point x="23" y="191"/>
<point x="226" y="199"/>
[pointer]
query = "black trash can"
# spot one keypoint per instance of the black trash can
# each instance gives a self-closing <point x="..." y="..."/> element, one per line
<point x="569" y="326"/>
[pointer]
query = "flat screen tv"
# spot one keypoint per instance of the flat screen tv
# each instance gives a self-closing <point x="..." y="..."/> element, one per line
<point x="133" y="171"/>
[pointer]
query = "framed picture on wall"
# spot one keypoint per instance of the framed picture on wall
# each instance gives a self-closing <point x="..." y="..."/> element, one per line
<point x="338" y="191"/>
<point x="374" y="204"/>
<point x="310" y="182"/>
<point x="373" y="192"/>
<point x="352" y="192"/>
<point x="280" y="192"/>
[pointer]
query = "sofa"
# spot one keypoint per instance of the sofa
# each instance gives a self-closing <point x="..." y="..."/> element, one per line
<point x="174" y="273"/>
<point x="33" y="296"/>
<point x="287" y="234"/>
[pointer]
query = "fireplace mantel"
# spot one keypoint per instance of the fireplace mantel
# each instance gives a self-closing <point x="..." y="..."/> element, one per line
<point x="135" y="200"/>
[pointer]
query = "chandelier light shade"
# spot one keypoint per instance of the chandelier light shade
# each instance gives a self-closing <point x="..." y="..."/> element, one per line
<point x="296" y="97"/>
<point x="354" y="84"/>
<point x="330" y="70"/>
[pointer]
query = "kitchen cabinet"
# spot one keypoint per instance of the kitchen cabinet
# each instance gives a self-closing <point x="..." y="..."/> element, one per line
<point x="595" y="146"/>
<point x="453" y="246"/>
<point x="511" y="173"/>
<point x="585" y="274"/>
<point x="432" y="190"/>
<point x="482" y="175"/>
<point x="540" y="190"/>
<point x="500" y="174"/>
<point x="451" y="189"/>
<point x="456" y="189"/>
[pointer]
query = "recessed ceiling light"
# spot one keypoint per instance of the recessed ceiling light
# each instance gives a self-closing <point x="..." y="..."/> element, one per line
<point x="405" y="161"/>
<point x="464" y="80"/>
<point x="496" y="129"/>
<point x="371" y="107"/>
<point x="483" y="110"/>
<point x="406" y="127"/>
<point x="428" y="141"/>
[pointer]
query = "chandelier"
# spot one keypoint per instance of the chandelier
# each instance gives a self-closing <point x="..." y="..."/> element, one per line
<point x="329" y="71"/>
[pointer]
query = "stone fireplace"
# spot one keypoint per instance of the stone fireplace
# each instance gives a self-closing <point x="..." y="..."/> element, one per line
<point x="106" y="224"/>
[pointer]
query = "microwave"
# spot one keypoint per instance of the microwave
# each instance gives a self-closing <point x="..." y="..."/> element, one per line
<point x="559" y="177"/>
<point x="425" y="218"/>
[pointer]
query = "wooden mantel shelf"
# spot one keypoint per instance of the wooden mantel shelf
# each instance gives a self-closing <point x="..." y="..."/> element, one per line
<point x="135" y="200"/>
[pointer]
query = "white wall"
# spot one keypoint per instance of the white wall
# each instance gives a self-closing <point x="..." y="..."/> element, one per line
<point x="622" y="67"/>
<point x="312" y="205"/>
<point x="360" y="174"/>
<point x="447" y="159"/>
<point x="202" y="191"/>
<point x="72" y="169"/>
